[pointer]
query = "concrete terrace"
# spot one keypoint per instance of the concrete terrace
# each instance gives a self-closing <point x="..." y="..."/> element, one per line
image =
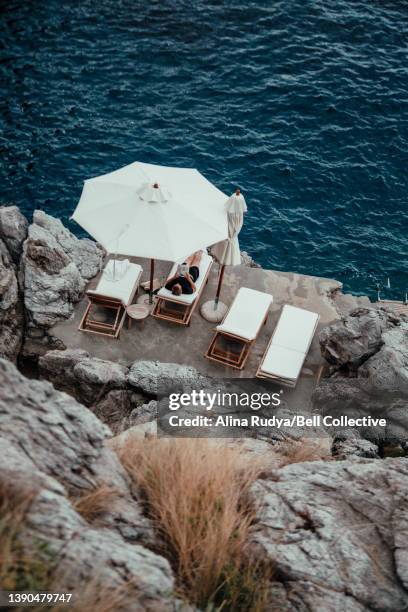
<point x="166" y="342"/>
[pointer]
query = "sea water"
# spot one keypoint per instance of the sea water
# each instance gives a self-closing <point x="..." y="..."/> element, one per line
<point x="301" y="103"/>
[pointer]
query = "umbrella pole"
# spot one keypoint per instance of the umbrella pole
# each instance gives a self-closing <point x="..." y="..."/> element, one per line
<point x="151" y="281"/>
<point x="217" y="295"/>
<point x="114" y="258"/>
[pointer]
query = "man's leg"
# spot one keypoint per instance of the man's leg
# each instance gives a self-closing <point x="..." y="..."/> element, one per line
<point x="196" y="259"/>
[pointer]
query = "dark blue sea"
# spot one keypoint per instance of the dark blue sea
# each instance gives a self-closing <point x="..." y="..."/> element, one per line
<point x="302" y="103"/>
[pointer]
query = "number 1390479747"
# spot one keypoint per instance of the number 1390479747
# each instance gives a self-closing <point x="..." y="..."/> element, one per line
<point x="20" y="599"/>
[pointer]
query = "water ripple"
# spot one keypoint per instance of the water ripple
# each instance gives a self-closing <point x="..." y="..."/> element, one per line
<point x="304" y="105"/>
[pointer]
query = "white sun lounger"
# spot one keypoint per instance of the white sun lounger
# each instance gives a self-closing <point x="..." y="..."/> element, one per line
<point x="238" y="331"/>
<point x="286" y="352"/>
<point x="180" y="308"/>
<point x="115" y="291"/>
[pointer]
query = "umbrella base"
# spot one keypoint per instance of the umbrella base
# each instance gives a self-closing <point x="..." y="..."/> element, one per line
<point x="144" y="299"/>
<point x="213" y="313"/>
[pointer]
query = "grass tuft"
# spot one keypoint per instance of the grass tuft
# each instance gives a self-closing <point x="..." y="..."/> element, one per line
<point x="92" y="506"/>
<point x="300" y="451"/>
<point x="197" y="495"/>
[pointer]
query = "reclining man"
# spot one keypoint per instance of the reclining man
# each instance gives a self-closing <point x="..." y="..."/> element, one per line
<point x="187" y="274"/>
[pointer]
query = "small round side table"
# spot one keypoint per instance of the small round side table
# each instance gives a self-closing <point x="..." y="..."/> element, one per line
<point x="137" y="312"/>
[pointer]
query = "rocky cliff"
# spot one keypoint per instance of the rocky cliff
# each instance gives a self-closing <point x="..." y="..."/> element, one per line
<point x="44" y="269"/>
<point x="368" y="354"/>
<point x="13" y="233"/>
<point x="54" y="447"/>
<point x="334" y="533"/>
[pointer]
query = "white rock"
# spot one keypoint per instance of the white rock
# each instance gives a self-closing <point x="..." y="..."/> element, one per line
<point x="387" y="370"/>
<point x="153" y="377"/>
<point x="336" y="534"/>
<point x="56" y="267"/>
<point x="353" y="339"/>
<point x="66" y="441"/>
<point x="13" y="230"/>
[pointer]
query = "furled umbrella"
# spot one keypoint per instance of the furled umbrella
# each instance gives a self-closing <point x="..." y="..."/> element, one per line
<point x="227" y="253"/>
<point x="156" y="212"/>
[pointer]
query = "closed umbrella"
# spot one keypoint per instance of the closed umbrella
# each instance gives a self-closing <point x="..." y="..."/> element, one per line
<point x="158" y="212"/>
<point x="227" y="252"/>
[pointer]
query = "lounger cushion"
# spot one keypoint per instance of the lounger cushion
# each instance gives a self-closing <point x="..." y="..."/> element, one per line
<point x="121" y="289"/>
<point x="206" y="261"/>
<point x="246" y="313"/>
<point x="290" y="343"/>
<point x="295" y="328"/>
<point x="282" y="362"/>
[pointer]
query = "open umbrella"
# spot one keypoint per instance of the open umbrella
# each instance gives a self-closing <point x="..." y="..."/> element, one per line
<point x="158" y="212"/>
<point x="227" y="252"/>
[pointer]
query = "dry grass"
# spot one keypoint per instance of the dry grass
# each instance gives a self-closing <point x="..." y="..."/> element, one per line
<point x="18" y="571"/>
<point x="305" y="449"/>
<point x="196" y="493"/>
<point x="13" y="505"/>
<point x="94" y="596"/>
<point x="93" y="505"/>
<point x="22" y="572"/>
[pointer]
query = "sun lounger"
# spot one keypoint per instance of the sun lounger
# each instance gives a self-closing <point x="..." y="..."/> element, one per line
<point x="180" y="308"/>
<point x="116" y="289"/>
<point x="286" y="352"/>
<point x="238" y="331"/>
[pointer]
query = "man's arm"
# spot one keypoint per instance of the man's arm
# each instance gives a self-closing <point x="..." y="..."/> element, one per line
<point x="170" y="282"/>
<point x="190" y="281"/>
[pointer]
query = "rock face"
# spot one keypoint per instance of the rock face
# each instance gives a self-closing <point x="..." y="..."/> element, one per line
<point x="353" y="397"/>
<point x="372" y="348"/>
<point x="66" y="441"/>
<point x="347" y="447"/>
<point x="96" y="377"/>
<point x="123" y="409"/>
<point x="51" y="267"/>
<point x="55" y="447"/>
<point x="13" y="230"/>
<point x="387" y="370"/>
<point x="336" y="535"/>
<point x="11" y="307"/>
<point x="120" y="396"/>
<point x="102" y="385"/>
<point x="153" y="377"/>
<point x="84" y="253"/>
<point x="56" y="267"/>
<point x="247" y="260"/>
<point x="349" y="342"/>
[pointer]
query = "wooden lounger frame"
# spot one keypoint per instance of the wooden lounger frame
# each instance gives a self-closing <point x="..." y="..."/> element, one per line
<point x="228" y="358"/>
<point x="177" y="311"/>
<point x="288" y="382"/>
<point x="111" y="330"/>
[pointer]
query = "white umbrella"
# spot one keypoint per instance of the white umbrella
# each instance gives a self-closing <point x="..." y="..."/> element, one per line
<point x="227" y="252"/>
<point x="159" y="212"/>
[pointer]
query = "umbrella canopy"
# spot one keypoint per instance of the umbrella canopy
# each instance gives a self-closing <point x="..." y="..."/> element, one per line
<point x="227" y="252"/>
<point x="158" y="212"/>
